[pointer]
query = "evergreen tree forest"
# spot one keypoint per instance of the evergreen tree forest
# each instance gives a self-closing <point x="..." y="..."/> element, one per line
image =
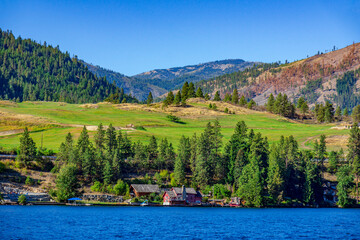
<point x="30" y="71"/>
<point x="246" y="166"/>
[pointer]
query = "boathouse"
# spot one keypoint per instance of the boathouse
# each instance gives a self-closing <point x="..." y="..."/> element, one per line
<point x="144" y="189"/>
<point x="182" y="196"/>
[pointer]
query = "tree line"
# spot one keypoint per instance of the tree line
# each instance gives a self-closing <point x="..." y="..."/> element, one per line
<point x="30" y="71"/>
<point x="251" y="169"/>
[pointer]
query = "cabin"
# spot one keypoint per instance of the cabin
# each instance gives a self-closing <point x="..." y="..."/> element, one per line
<point x="182" y="196"/>
<point x="139" y="190"/>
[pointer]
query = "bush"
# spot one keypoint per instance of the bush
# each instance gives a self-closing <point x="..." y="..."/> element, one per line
<point x="140" y="128"/>
<point x="121" y="188"/>
<point x="29" y="181"/>
<point x="226" y="110"/>
<point x="96" y="187"/>
<point x="22" y="199"/>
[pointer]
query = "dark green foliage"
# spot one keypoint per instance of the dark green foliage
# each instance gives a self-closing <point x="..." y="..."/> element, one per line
<point x="309" y="91"/>
<point x="313" y="190"/>
<point x="346" y="88"/>
<point x="181" y="160"/>
<point x="324" y="113"/>
<point x="346" y="112"/>
<point x="243" y="101"/>
<point x="27" y="149"/>
<point x="29" y="181"/>
<point x="227" y="97"/>
<point x="207" y="96"/>
<point x="338" y="114"/>
<point x="121" y="188"/>
<point x="251" y="104"/>
<point x="270" y="103"/>
<point x="120" y="97"/>
<point x="300" y="102"/>
<point x="169" y="99"/>
<point x="66" y="182"/>
<point x="345" y="182"/>
<point x="149" y="99"/>
<point x="199" y="93"/>
<point x="217" y="96"/>
<point x="235" y="97"/>
<point x="191" y="91"/>
<point x="284" y="106"/>
<point x="33" y="72"/>
<point x="177" y="99"/>
<point x="185" y="91"/>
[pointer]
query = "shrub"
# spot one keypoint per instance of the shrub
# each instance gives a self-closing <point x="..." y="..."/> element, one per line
<point x="214" y="107"/>
<point x="96" y="187"/>
<point x="121" y="188"/>
<point x="29" y="181"/>
<point x="226" y="110"/>
<point x="22" y="199"/>
<point x="140" y="128"/>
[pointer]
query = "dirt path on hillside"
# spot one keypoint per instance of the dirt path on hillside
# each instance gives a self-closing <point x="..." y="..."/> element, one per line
<point x="307" y="140"/>
<point x="10" y="132"/>
<point x="94" y="128"/>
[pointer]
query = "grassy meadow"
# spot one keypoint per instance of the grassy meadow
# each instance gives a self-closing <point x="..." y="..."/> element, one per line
<point x="51" y="121"/>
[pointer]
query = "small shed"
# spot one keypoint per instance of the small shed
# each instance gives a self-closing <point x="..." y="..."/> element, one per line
<point x="144" y="189"/>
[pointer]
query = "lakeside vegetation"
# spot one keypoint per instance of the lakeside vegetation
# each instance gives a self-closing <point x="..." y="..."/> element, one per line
<point x="247" y="167"/>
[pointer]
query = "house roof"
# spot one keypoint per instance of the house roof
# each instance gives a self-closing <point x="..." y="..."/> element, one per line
<point x="146" y="188"/>
<point x="188" y="190"/>
<point x="170" y="193"/>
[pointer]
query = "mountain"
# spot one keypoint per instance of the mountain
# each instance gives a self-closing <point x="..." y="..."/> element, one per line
<point x="332" y="76"/>
<point x="199" y="71"/>
<point x="30" y="71"/>
<point x="160" y="81"/>
<point x="136" y="87"/>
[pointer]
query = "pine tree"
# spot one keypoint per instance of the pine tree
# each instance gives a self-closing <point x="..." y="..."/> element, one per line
<point x="27" y="149"/>
<point x="356" y="113"/>
<point x="108" y="172"/>
<point x="149" y="99"/>
<point x="100" y="138"/>
<point x="66" y="182"/>
<point x="152" y="151"/>
<point x="235" y="97"/>
<point x="346" y="112"/>
<point x="185" y="91"/>
<point x="345" y="182"/>
<point x="191" y="91"/>
<point x="251" y="104"/>
<point x="170" y="98"/>
<point x="66" y="152"/>
<point x="313" y="189"/>
<point x="83" y="145"/>
<point x="177" y="100"/>
<point x="199" y="93"/>
<point x="181" y="159"/>
<point x="300" y="102"/>
<point x="217" y="96"/>
<point x="243" y="101"/>
<point x="276" y="174"/>
<point x="207" y="97"/>
<point x="227" y="97"/>
<point x="110" y="141"/>
<point x="304" y="108"/>
<point x="329" y="112"/>
<point x="338" y="113"/>
<point x="270" y="103"/>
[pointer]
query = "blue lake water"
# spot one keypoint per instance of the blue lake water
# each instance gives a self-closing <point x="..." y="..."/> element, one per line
<point x="65" y="222"/>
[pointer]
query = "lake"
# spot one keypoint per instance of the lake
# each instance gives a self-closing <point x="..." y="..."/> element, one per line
<point x="69" y="222"/>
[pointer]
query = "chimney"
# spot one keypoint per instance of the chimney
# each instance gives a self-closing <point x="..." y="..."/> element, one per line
<point x="183" y="193"/>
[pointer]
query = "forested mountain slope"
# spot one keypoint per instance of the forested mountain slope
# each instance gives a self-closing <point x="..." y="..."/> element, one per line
<point x="33" y="71"/>
<point x="160" y="81"/>
<point x="136" y="87"/>
<point x="331" y="76"/>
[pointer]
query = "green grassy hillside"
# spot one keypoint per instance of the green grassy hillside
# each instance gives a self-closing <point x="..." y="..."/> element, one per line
<point x="51" y="121"/>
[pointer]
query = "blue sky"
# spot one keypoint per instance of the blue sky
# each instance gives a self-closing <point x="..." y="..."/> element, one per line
<point x="136" y="36"/>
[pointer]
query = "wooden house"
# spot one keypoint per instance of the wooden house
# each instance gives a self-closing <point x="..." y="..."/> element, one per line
<point x="182" y="196"/>
<point x="144" y="189"/>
